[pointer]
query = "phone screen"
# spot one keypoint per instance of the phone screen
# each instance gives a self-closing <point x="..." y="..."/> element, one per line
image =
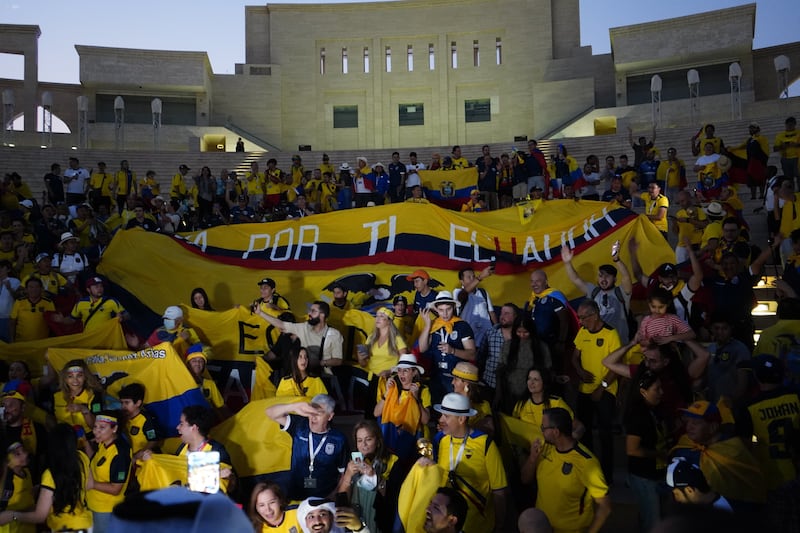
<point x="203" y="474"/>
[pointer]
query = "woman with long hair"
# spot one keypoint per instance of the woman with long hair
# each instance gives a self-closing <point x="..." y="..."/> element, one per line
<point x="384" y="345"/>
<point x="268" y="510"/>
<point x="200" y="299"/>
<point x="80" y="397"/>
<point x="522" y="352"/>
<point x="62" y="496"/>
<point x="17" y="486"/>
<point x="110" y="466"/>
<point x="540" y="397"/>
<point x="647" y="446"/>
<point x="300" y="382"/>
<point x="366" y="475"/>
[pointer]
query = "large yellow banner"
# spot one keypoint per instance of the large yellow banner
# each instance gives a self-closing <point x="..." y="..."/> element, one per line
<point x="375" y="249"/>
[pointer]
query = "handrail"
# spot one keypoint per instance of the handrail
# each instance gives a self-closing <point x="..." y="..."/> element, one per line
<point x="251" y="137"/>
<point x="567" y="122"/>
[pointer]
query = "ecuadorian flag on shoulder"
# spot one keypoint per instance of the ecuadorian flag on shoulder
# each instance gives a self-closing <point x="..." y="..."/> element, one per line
<point x="169" y="386"/>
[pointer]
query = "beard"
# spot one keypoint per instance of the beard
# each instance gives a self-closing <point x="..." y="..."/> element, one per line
<point x="313" y="320"/>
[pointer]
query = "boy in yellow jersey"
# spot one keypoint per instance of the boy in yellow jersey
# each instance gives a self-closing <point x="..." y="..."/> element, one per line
<point x="178" y="189"/>
<point x="52" y="282"/>
<point x="140" y="426"/>
<point x="573" y="493"/>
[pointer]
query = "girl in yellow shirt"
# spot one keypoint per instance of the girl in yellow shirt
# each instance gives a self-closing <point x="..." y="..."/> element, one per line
<point x="80" y="397"/>
<point x="300" y="383"/>
<point x="269" y="512"/>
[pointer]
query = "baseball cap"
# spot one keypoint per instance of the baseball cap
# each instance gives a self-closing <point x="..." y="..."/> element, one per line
<point x="682" y="473"/>
<point x="418" y="274"/>
<point x="172" y="312"/>
<point x="766" y="367"/>
<point x="267" y="281"/>
<point x="400" y="298"/>
<point x="703" y="409"/>
<point x="184" y="167"/>
<point x="93" y="281"/>
<point x="43" y="255"/>
<point x="667" y="270"/>
<point x="26" y="203"/>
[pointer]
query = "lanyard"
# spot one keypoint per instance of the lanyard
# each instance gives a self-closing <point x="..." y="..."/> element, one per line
<point x="455" y="461"/>
<point x="312" y="453"/>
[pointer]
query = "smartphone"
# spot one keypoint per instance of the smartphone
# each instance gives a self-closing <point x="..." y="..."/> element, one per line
<point x="615" y="249"/>
<point x="342" y="500"/>
<point x="203" y="473"/>
<point x="357" y="456"/>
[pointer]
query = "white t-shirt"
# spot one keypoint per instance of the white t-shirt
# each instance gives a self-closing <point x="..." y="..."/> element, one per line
<point x="704" y="160"/>
<point x="75" y="180"/>
<point x="412" y="178"/>
<point x="7" y="296"/>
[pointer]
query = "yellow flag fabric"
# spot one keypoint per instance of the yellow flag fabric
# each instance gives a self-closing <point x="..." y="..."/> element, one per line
<point x="256" y="444"/>
<point x="169" y="386"/>
<point x="416" y="493"/>
<point x="379" y="244"/>
<point x="163" y="470"/>
<point x="263" y="387"/>
<point x="106" y="336"/>
<point x="518" y="432"/>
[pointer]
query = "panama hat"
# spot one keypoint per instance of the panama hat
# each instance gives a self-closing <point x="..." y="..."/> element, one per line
<point x="455" y="404"/>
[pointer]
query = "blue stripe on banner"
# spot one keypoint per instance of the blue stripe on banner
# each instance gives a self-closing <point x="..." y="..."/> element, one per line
<point x="167" y="413"/>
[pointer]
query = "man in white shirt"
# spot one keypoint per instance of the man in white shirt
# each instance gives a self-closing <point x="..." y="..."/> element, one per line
<point x="412" y="176"/>
<point x="76" y="179"/>
<point x="8" y="289"/>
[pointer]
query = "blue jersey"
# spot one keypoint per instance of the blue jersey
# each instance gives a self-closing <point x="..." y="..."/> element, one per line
<point x="331" y="455"/>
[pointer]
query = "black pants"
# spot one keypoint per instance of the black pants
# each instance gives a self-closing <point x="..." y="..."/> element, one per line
<point x="602" y="412"/>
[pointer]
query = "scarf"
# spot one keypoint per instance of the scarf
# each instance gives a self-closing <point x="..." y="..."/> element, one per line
<point x="448" y="326"/>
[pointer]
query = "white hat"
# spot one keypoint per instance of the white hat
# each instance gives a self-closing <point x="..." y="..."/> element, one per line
<point x="444" y="297"/>
<point x="310" y="504"/>
<point x="455" y="404"/>
<point x="715" y="209"/>
<point x="67" y="236"/>
<point x="378" y="164"/>
<point x="344" y="166"/>
<point x="173" y="312"/>
<point x="362" y="158"/>
<point x="26" y="203"/>
<point x="408" y="360"/>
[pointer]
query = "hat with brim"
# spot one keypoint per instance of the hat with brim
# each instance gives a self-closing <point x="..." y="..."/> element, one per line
<point x="408" y="360"/>
<point x="444" y="297"/>
<point x="466" y="372"/>
<point x="67" y="236"/>
<point x="378" y="164"/>
<point x="455" y="404"/>
<point x="715" y="209"/>
<point x="344" y="166"/>
<point x="702" y="410"/>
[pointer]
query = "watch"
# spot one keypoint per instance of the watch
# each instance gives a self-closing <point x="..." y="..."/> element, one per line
<point x="604" y="384"/>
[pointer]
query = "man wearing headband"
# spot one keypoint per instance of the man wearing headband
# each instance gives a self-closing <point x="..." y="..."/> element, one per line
<point x="317" y="515"/>
<point x="319" y="452"/>
<point x="614" y="300"/>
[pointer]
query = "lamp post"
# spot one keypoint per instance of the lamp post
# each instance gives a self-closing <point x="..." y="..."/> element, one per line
<point x="47" y="119"/>
<point x="782" y="66"/>
<point x="735" y="77"/>
<point x="83" y="121"/>
<point x="655" y="98"/>
<point x="8" y="117"/>
<point x="119" y="123"/>
<point x="155" y="107"/>
<point x="693" y="78"/>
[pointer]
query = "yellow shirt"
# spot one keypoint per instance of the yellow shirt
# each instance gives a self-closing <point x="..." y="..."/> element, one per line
<point x="651" y="207"/>
<point x="21" y="498"/>
<point x="460" y="163"/>
<point x="255" y="183"/>
<point x="687" y="229"/>
<point x="121" y="181"/>
<point x="530" y="412"/>
<point x="712" y="231"/>
<point x="671" y="168"/>
<point x="787" y="152"/>
<point x="75" y="419"/>
<point x="51" y="283"/>
<point x="178" y="187"/>
<point x="81" y="516"/>
<point x="140" y="430"/>
<point x="102" y="181"/>
<point x="790" y="215"/>
<point x="568" y="484"/>
<point x="31" y="325"/>
<point x="379" y="357"/>
<point x="211" y="393"/>
<point x="310" y="387"/>
<point x="106" y="309"/>
<point x="594" y="347"/>
<point x="111" y="464"/>
<point x="288" y="525"/>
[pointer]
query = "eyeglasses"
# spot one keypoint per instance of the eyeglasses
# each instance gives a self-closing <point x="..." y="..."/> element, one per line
<point x="547" y="427"/>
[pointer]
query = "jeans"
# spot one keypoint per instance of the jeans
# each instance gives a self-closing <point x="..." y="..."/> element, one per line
<point x="603" y="410"/>
<point x="646" y="491"/>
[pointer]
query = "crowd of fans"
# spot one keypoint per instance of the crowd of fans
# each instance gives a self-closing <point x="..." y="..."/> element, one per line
<point x="710" y="417"/>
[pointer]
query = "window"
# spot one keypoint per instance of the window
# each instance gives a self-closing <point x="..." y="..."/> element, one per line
<point x="478" y="110"/>
<point x="410" y="58"/>
<point x="366" y="60"/>
<point x="345" y="116"/>
<point x="431" y="57"/>
<point x="498" y="51"/>
<point x="322" y="61"/>
<point x="388" y="59"/>
<point x="411" y="115"/>
<point x="476" y="54"/>
<point x="345" y="64"/>
<point x="453" y="55"/>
